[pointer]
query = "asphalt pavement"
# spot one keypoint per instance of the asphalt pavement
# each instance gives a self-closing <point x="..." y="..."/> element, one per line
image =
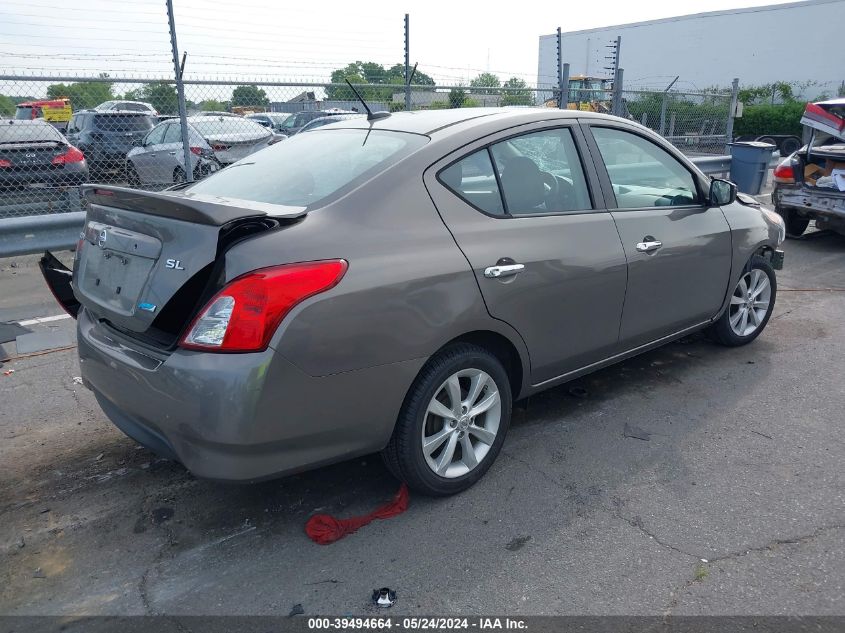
<point x="732" y="505"/>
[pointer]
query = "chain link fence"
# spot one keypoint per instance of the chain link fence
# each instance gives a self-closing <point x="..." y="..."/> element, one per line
<point x="59" y="131"/>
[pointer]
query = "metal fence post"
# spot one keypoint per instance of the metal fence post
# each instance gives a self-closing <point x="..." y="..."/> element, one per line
<point x="560" y="102"/>
<point x="616" y="107"/>
<point x="180" y="94"/>
<point x="407" y="64"/>
<point x="729" y="127"/>
<point x="664" y="103"/>
<point x="564" y="81"/>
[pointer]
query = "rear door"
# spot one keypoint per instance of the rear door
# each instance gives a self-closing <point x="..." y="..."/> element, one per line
<point x="527" y="213"/>
<point x="678" y="247"/>
<point x="146" y="161"/>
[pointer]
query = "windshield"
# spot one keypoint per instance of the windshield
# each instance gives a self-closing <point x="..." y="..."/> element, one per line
<point x="24" y="113"/>
<point x="33" y="133"/>
<point x="123" y="122"/>
<point x="226" y="125"/>
<point x="306" y="169"/>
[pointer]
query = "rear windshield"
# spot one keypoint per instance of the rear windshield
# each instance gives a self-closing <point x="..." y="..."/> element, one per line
<point x="123" y="122"/>
<point x="227" y="125"/>
<point x="306" y="169"/>
<point x="32" y="133"/>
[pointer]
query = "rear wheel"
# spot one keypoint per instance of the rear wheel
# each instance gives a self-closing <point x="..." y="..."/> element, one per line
<point x="795" y="224"/>
<point x="178" y="175"/>
<point x="453" y="422"/>
<point x="750" y="307"/>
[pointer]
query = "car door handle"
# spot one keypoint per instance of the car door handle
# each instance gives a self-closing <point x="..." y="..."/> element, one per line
<point x="172" y="153"/>
<point x="649" y="245"/>
<point x="494" y="272"/>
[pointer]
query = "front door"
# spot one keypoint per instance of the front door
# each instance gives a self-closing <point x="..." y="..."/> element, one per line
<point x="678" y="247"/>
<point x="528" y="217"/>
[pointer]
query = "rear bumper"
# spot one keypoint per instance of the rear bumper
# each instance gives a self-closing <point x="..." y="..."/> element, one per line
<point x="811" y="203"/>
<point x="46" y="177"/>
<point x="239" y="417"/>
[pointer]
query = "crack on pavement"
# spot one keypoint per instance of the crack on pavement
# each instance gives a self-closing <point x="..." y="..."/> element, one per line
<point x="637" y="522"/>
<point x="696" y="579"/>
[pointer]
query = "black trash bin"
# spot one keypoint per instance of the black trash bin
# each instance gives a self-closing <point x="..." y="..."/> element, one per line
<point x="750" y="164"/>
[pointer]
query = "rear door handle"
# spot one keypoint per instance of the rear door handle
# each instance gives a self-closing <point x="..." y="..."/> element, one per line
<point x="172" y="153"/>
<point x="494" y="272"/>
<point x="649" y="245"/>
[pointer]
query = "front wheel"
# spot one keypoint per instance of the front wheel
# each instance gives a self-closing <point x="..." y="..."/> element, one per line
<point x="751" y="305"/>
<point x="453" y="422"/>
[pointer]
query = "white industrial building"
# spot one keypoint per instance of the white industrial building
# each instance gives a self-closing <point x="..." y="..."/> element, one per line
<point x="794" y="42"/>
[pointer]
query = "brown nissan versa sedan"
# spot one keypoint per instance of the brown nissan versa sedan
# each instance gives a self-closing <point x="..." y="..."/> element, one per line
<point x="393" y="284"/>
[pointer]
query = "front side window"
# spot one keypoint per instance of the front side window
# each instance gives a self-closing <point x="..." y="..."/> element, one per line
<point x="642" y="173"/>
<point x="541" y="173"/>
<point x="473" y="179"/>
<point x="156" y="135"/>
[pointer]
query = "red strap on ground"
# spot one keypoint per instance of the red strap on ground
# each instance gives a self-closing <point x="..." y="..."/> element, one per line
<point x="325" y="529"/>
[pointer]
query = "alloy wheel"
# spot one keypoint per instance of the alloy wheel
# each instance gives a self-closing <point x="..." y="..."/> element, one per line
<point x="461" y="423"/>
<point x="750" y="302"/>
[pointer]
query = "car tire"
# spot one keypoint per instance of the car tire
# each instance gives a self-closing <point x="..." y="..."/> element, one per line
<point x="178" y="176"/>
<point x="751" y="304"/>
<point x="132" y="177"/>
<point x="463" y="446"/>
<point x="795" y="224"/>
<point x="789" y="146"/>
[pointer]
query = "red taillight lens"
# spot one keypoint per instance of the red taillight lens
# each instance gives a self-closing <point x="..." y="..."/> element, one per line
<point x="5" y="163"/>
<point x="243" y="316"/>
<point x="196" y="150"/>
<point x="784" y="172"/>
<point x="72" y="155"/>
<point x="219" y="147"/>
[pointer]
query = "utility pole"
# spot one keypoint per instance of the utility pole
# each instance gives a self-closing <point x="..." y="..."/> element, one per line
<point x="407" y="65"/>
<point x="729" y="128"/>
<point x="560" y="87"/>
<point x="180" y="94"/>
<point x="564" y="81"/>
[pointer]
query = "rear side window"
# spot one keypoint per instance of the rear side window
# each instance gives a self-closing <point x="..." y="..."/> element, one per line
<point x="307" y="169"/>
<point x="642" y="173"/>
<point x="473" y="179"/>
<point x="541" y="173"/>
<point x="173" y="134"/>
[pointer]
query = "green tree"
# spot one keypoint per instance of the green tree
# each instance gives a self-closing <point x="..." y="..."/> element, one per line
<point x="367" y="77"/>
<point x="214" y="105"/>
<point x="485" y="84"/>
<point x="7" y="106"/>
<point x="519" y="93"/>
<point x="457" y="96"/>
<point x="82" y="94"/>
<point x="162" y="96"/>
<point x="249" y="96"/>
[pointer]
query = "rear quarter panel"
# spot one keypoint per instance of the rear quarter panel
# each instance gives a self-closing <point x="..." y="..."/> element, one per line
<point x="407" y="292"/>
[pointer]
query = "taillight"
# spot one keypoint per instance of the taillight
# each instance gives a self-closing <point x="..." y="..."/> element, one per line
<point x="785" y="172"/>
<point x="196" y="150"/>
<point x="243" y="316"/>
<point x="5" y="163"/>
<point x="219" y="147"/>
<point x="72" y="155"/>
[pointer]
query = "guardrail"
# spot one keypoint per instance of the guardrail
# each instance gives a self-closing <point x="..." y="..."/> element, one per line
<point x="38" y="233"/>
<point x="713" y="164"/>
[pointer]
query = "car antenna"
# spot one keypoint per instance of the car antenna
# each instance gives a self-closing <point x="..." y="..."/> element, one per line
<point x="371" y="116"/>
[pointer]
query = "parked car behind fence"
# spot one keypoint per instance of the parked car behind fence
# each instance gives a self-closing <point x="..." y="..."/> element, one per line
<point x="35" y="154"/>
<point x="107" y="137"/>
<point x="215" y="141"/>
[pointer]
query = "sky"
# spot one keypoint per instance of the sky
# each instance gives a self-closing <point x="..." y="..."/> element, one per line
<point x="295" y="41"/>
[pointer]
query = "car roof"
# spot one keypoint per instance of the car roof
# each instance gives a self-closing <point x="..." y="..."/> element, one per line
<point x="40" y="122"/>
<point x="429" y="122"/>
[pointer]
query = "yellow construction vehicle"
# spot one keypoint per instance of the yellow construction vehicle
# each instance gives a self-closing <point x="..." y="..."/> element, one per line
<point x="590" y="94"/>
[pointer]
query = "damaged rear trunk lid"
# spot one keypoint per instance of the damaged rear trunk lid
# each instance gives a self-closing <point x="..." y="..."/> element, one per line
<point x="146" y="260"/>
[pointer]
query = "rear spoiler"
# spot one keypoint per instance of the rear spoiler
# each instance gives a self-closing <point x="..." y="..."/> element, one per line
<point x="183" y="205"/>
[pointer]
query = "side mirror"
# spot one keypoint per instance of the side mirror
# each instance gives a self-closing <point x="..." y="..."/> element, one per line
<point x="722" y="192"/>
